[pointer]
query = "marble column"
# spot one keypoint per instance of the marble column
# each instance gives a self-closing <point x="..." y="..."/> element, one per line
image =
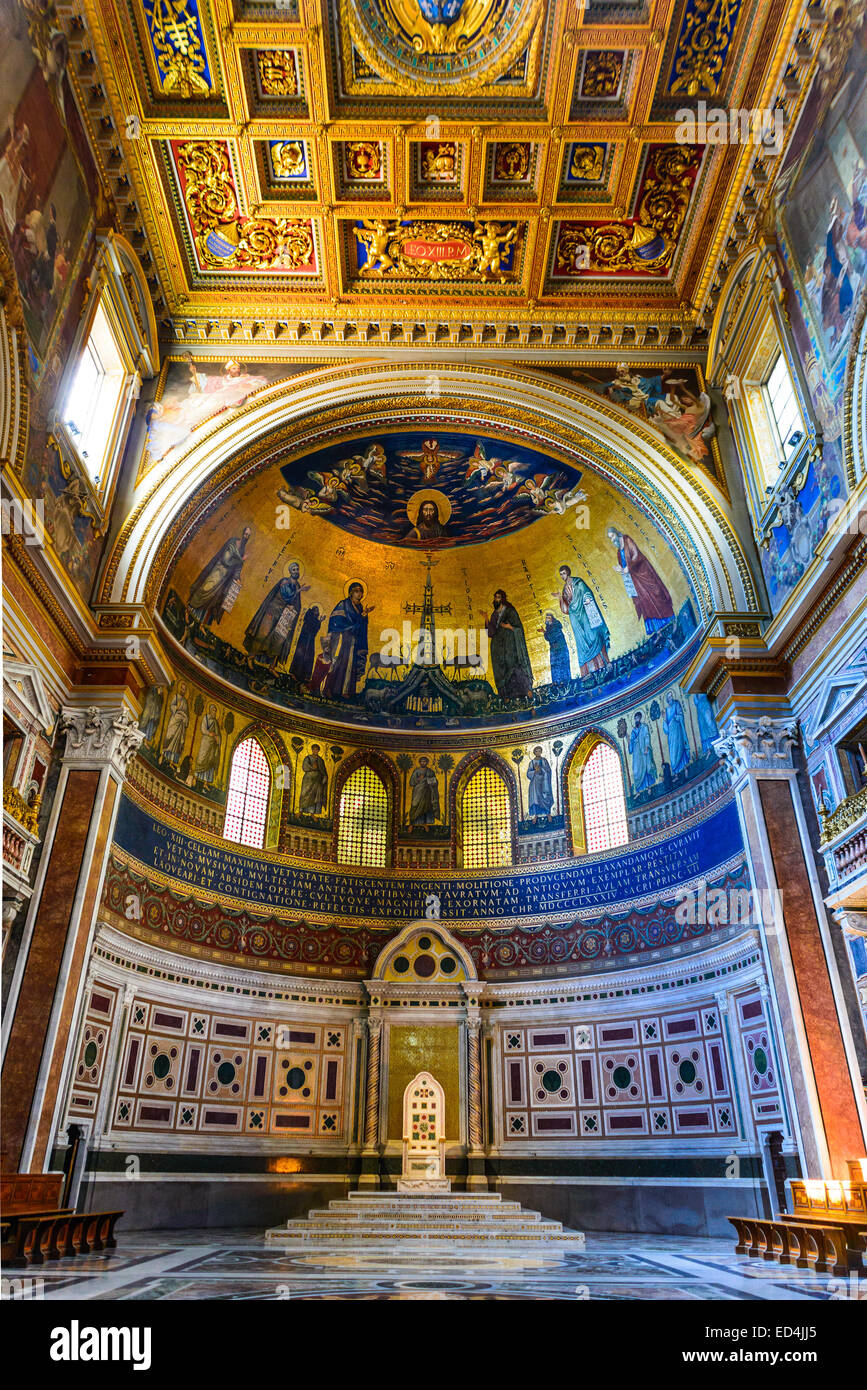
<point x="475" y="1122"/>
<point x="806" y="993"/>
<point x="370" y="1155"/>
<point x="46" y="991"/>
<point x="358" y="1084"/>
<point x="475" y="1153"/>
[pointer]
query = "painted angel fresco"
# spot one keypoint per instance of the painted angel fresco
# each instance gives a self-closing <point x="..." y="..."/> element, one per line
<point x="193" y="394"/>
<point x="675" y="404"/>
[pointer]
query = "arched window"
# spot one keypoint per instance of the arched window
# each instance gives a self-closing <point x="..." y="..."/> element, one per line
<point x="362" y="820"/>
<point x="602" y="800"/>
<point x="248" y="796"/>
<point x="487" y="821"/>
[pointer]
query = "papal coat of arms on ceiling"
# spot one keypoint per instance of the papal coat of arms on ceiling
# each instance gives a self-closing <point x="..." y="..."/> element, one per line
<point x="414" y="43"/>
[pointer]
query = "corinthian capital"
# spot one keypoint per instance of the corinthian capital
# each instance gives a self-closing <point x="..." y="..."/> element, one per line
<point x="756" y="745"/>
<point x="100" y="736"/>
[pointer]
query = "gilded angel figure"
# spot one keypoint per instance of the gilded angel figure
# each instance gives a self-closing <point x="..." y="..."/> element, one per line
<point x="492" y="244"/>
<point x="375" y="236"/>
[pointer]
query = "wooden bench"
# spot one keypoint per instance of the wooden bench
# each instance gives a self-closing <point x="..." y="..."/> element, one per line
<point x="30" y="1238"/>
<point x="826" y="1244"/>
<point x="30" y="1191"/>
<point x="35" y="1227"/>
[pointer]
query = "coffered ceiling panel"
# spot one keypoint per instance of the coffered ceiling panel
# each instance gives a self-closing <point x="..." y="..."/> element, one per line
<point x="303" y="155"/>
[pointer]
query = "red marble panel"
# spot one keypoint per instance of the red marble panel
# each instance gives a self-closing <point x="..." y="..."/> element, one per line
<point x="42" y="972"/>
<point x="825" y="1041"/>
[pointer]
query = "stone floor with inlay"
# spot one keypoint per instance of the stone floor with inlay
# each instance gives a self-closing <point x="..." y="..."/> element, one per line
<point x="239" y="1265"/>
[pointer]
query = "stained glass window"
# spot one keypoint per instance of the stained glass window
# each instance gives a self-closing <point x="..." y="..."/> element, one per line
<point x="362" y="825"/>
<point x="487" y="817"/>
<point x="249" y="794"/>
<point x="605" y="822"/>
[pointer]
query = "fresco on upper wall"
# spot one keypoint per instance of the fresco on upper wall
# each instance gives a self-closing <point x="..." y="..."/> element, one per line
<point x="193" y="392"/>
<point x="69" y="516"/>
<point x="821" y="216"/>
<point x="821" y="199"/>
<point x="502" y="584"/>
<point x="51" y="197"/>
<point x="673" y="401"/>
<point x="47" y="180"/>
<point x="804" y="511"/>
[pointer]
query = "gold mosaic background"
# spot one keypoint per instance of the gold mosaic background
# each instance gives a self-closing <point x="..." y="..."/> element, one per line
<point x="524" y="563"/>
<point x="434" y="1049"/>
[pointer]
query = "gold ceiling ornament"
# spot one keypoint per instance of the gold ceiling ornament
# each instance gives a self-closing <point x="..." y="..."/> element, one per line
<point x="436" y="250"/>
<point x="614" y="246"/>
<point x="602" y="74"/>
<point x="647" y="242"/>
<point x="407" y="43"/>
<point x="278" y="73"/>
<point x="702" y="47"/>
<point x="177" y="43"/>
<point x="474" y="17"/>
<point x="587" y="162"/>
<point x="512" y="161"/>
<point x="287" y="158"/>
<point x="364" y="160"/>
<point x="439" y="163"/>
<point x="225" y="240"/>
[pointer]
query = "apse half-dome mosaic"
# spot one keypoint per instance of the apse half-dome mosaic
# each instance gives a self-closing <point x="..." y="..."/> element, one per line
<point x="429" y="578"/>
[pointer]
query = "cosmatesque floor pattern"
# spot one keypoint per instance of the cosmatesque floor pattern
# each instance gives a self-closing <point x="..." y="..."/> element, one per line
<point x="236" y="1264"/>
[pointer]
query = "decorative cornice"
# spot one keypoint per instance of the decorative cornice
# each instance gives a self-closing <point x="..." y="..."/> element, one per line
<point x="757" y="745"/>
<point x="158" y="973"/>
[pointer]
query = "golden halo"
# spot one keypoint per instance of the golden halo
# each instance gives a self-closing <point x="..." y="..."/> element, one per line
<point x="288" y="565"/>
<point x="429" y="494"/>
<point x="348" y="585"/>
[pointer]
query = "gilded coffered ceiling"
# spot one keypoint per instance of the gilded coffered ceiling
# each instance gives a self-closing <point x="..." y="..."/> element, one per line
<point x="473" y="160"/>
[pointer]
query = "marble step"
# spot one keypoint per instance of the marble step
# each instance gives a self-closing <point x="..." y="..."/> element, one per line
<point x="376" y="1219"/>
<point x="311" y="1236"/>
<point x="540" y="1237"/>
<point x="462" y="1198"/>
<point x="387" y="1224"/>
<point x="420" y="1218"/>
<point x="315" y="1228"/>
<point x="359" y="1211"/>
